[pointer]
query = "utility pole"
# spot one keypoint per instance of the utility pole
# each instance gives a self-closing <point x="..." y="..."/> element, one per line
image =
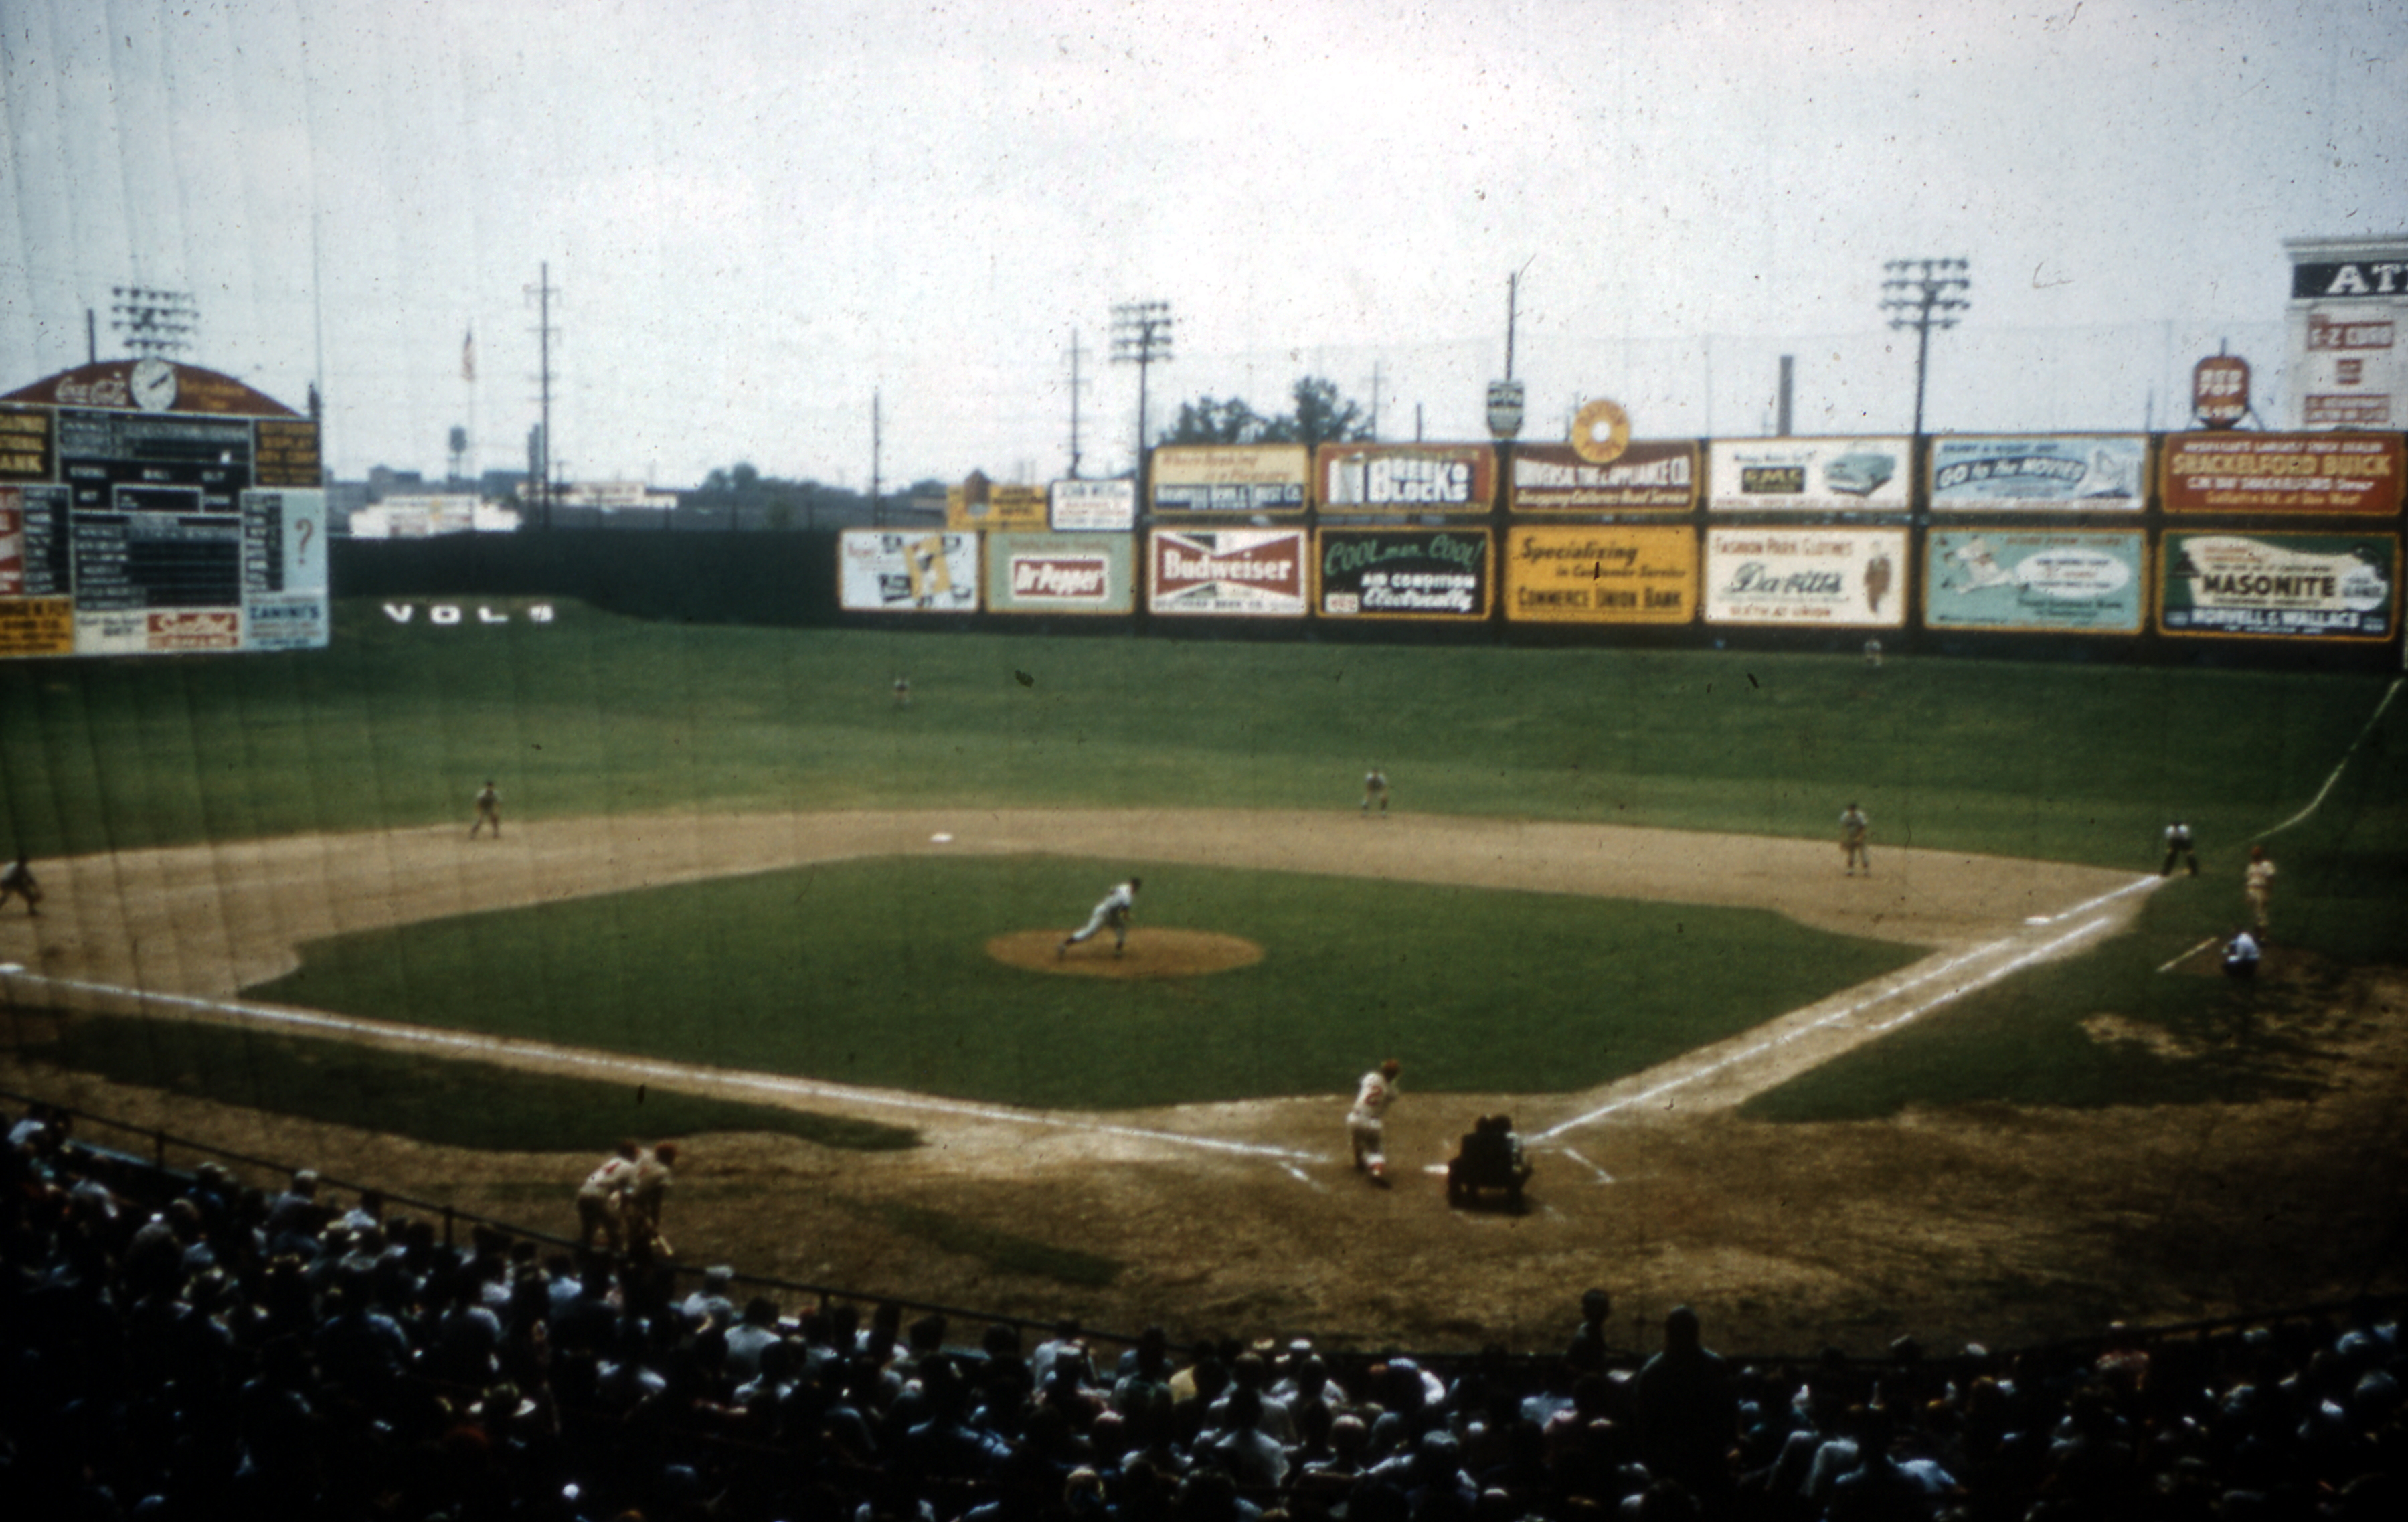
<point x="1075" y="384"/>
<point x="1375" y="401"/>
<point x="541" y="464"/>
<point x="877" y="445"/>
<point x="1922" y="294"/>
<point x="1141" y="337"/>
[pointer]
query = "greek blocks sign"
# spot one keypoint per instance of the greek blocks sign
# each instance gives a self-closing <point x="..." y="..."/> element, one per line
<point x="2330" y="586"/>
<point x="1381" y="573"/>
<point x="1843" y="578"/>
<point x="2038" y="472"/>
<point x="1600" y="575"/>
<point x="1389" y="479"/>
<point x="2030" y="580"/>
<point x="1807" y="475"/>
<point x="1649" y="477"/>
<point x="1060" y="573"/>
<point x="1240" y="572"/>
<point x="2304" y="473"/>
<point x="911" y="571"/>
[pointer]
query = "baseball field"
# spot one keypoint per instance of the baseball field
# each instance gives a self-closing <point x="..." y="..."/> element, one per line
<point x="744" y="896"/>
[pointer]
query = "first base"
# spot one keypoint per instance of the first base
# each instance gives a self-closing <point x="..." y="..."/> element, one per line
<point x="940" y="837"/>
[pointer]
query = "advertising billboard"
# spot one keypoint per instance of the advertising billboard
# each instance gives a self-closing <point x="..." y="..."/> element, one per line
<point x="1400" y="478"/>
<point x="979" y="505"/>
<point x="1234" y="478"/>
<point x="1650" y="476"/>
<point x="2041" y="472"/>
<point x="907" y="571"/>
<point x="1240" y="572"/>
<point x="2328" y="586"/>
<point x="1807" y="475"/>
<point x="1439" y="573"/>
<point x="1094" y="506"/>
<point x="2304" y="473"/>
<point x="2032" y="579"/>
<point x="1556" y="575"/>
<point x="1060" y="573"/>
<point x="1843" y="578"/>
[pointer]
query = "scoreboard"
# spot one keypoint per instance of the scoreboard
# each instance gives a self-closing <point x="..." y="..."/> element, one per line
<point x="151" y="507"/>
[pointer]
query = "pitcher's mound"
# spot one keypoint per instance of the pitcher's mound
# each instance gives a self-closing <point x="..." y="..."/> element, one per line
<point x="1151" y="953"/>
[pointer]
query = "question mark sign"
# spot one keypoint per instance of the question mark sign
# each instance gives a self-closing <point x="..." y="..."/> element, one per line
<point x="302" y="531"/>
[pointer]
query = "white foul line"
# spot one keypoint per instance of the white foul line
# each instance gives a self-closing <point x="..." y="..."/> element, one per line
<point x="2338" y="767"/>
<point x="669" y="1073"/>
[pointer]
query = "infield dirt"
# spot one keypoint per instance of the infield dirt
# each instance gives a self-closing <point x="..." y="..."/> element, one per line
<point x="1992" y="1223"/>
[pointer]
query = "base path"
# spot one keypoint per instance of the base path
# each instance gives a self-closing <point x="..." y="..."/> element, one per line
<point x="199" y="923"/>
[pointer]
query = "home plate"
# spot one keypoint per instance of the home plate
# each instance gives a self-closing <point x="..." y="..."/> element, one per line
<point x="940" y="837"/>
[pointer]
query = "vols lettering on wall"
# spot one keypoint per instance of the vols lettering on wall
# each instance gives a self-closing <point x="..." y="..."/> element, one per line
<point x="2332" y="586"/>
<point x="1243" y="572"/>
<point x="2028" y="472"/>
<point x="1388" y="573"/>
<point x="1060" y="573"/>
<point x="1386" y="478"/>
<point x="1853" y="578"/>
<point x="1649" y="476"/>
<point x="157" y="509"/>
<point x="1807" y="475"/>
<point x="2305" y="473"/>
<point x="1235" y="478"/>
<point x="907" y="571"/>
<point x="2029" y="580"/>
<point x="1600" y="575"/>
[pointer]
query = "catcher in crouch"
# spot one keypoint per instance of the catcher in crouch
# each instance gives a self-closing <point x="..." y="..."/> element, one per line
<point x="1114" y="909"/>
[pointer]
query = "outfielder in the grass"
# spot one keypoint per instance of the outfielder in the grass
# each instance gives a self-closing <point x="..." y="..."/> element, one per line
<point x="1375" y="790"/>
<point x="489" y="810"/>
<point x="17" y="881"/>
<point x="1114" y="909"/>
<point x="1366" y="1124"/>
<point x="1854" y="829"/>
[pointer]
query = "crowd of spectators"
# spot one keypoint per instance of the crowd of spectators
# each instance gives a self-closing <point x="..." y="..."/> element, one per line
<point x="181" y="1345"/>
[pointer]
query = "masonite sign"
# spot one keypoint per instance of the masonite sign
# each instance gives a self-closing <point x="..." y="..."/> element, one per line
<point x="2041" y="472"/>
<point x="1233" y="477"/>
<point x="2230" y="472"/>
<point x="1391" y="479"/>
<point x="1652" y="476"/>
<point x="1807" y="475"/>
<point x="907" y="571"/>
<point x="2032" y="580"/>
<point x="1060" y="573"/>
<point x="992" y="506"/>
<point x="1846" y="578"/>
<point x="1240" y="572"/>
<point x="1438" y="573"/>
<point x="1094" y="506"/>
<point x="1561" y="575"/>
<point x="2327" y="586"/>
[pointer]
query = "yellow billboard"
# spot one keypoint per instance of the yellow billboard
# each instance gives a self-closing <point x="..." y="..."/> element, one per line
<point x="1600" y="575"/>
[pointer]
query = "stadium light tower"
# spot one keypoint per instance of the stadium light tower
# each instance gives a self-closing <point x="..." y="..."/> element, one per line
<point x="1141" y="337"/>
<point x="1922" y="294"/>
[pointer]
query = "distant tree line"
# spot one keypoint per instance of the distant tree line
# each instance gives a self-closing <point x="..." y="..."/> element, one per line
<point x="1319" y="416"/>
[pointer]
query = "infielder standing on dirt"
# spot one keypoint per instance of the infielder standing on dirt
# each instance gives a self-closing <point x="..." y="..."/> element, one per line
<point x="1375" y="790"/>
<point x="1854" y="828"/>
<point x="2179" y="848"/>
<point x="1114" y="909"/>
<point x="1367" y="1123"/>
<point x="17" y="879"/>
<point x="489" y="810"/>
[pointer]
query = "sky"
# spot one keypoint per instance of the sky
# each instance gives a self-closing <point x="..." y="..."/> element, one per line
<point x="841" y="238"/>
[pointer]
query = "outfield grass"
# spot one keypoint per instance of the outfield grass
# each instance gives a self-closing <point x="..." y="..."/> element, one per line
<point x="438" y="1100"/>
<point x="874" y="972"/>
<point x="592" y="713"/>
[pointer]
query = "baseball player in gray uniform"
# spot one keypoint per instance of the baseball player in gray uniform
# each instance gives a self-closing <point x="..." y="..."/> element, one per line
<point x="1112" y="909"/>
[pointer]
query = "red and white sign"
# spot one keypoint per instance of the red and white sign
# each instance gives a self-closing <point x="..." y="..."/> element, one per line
<point x="1246" y="572"/>
<point x="1059" y="577"/>
<point x="2219" y="390"/>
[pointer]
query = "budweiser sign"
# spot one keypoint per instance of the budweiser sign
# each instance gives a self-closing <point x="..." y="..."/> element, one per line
<point x="1238" y="571"/>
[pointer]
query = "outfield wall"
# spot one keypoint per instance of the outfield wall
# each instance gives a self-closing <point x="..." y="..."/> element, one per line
<point x="2205" y="549"/>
